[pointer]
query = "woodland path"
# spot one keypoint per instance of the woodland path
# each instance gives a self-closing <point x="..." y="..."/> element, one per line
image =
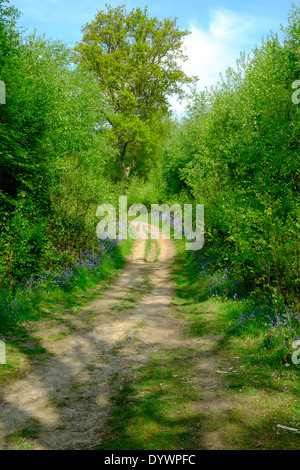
<point x="64" y="402"/>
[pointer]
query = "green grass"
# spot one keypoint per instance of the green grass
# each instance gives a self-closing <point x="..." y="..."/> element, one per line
<point x="240" y="315"/>
<point x="265" y="381"/>
<point x="154" y="409"/>
<point x="22" y="349"/>
<point x="152" y="246"/>
<point x="24" y="438"/>
<point x="31" y="303"/>
<point x="157" y="408"/>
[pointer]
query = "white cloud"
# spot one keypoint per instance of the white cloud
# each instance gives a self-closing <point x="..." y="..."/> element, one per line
<point x="227" y="25"/>
<point x="211" y="51"/>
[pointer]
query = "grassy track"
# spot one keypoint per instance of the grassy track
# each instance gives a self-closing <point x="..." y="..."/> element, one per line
<point x="171" y="403"/>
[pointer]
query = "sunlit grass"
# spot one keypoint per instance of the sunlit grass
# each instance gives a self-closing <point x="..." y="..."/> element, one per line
<point x="154" y="409"/>
<point x="42" y="299"/>
<point x="262" y="381"/>
<point x="272" y="327"/>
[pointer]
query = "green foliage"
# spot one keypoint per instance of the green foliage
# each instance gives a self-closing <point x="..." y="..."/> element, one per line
<point x="24" y="242"/>
<point x="144" y="192"/>
<point x="58" y="288"/>
<point x="69" y="131"/>
<point x="9" y="34"/>
<point x="134" y="57"/>
<point x="238" y="153"/>
<point x="48" y="119"/>
<point x="54" y="150"/>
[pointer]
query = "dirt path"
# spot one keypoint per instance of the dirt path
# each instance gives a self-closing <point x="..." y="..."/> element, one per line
<point x="64" y="402"/>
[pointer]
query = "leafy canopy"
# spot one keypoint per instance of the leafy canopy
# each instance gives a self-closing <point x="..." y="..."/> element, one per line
<point x="135" y="59"/>
<point x="9" y="34"/>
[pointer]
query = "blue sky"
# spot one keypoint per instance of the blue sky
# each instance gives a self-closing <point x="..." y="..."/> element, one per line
<point x="220" y="29"/>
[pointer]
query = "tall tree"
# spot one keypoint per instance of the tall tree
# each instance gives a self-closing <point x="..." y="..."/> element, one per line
<point x="135" y="59"/>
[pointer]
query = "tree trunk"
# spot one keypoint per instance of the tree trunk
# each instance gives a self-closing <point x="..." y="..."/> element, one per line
<point x="122" y="150"/>
<point x="125" y="171"/>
